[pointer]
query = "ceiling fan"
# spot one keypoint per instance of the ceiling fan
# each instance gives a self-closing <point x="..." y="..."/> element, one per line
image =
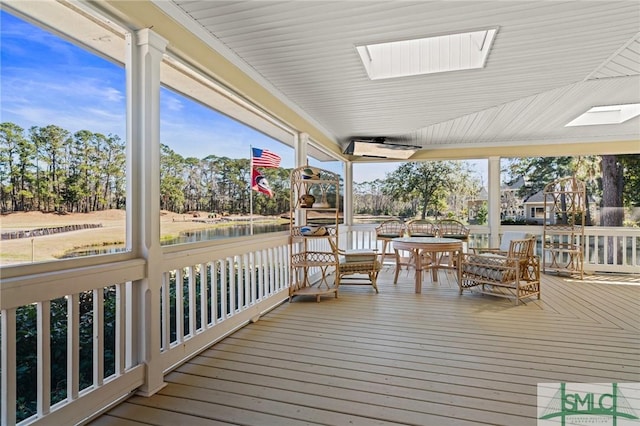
<point x="379" y="147"/>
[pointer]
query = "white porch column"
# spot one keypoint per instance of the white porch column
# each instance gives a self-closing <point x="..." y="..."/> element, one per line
<point x="348" y="193"/>
<point x="494" y="201"/>
<point x="143" y="212"/>
<point x="300" y="144"/>
<point x="347" y="209"/>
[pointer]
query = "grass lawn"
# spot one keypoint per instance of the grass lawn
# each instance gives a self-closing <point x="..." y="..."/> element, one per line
<point x="52" y="247"/>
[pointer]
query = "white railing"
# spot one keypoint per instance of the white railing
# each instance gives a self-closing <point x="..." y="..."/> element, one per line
<point x="612" y="249"/>
<point x="225" y="284"/>
<point x="223" y="287"/>
<point x="77" y="301"/>
<point x="207" y="291"/>
<point x="606" y="249"/>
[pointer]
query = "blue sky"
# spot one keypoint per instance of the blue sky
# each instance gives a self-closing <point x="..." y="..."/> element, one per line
<point x="45" y="80"/>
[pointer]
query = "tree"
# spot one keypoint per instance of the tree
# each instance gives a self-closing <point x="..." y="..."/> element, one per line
<point x="482" y="214"/>
<point x="464" y="187"/>
<point x="51" y="142"/>
<point x="588" y="170"/>
<point x="631" y="176"/>
<point x="612" y="213"/>
<point x="171" y="180"/>
<point x="369" y="198"/>
<point x="113" y="164"/>
<point x="539" y="171"/>
<point x="16" y="162"/>
<point x="193" y="184"/>
<point x="425" y="182"/>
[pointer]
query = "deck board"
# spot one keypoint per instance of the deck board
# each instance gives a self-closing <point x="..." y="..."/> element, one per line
<point x="436" y="358"/>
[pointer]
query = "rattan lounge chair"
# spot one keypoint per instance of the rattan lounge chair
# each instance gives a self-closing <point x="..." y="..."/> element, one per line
<point x="515" y="274"/>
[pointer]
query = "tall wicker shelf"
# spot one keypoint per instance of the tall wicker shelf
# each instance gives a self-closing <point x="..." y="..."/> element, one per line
<point x="314" y="232"/>
<point x="564" y="210"/>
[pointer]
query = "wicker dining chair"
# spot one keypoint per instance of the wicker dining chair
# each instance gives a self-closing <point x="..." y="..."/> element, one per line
<point x="421" y="228"/>
<point x="387" y="231"/>
<point x="451" y="228"/>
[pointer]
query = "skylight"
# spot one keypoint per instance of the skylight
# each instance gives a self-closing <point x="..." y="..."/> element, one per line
<point x="608" y="114"/>
<point x="452" y="52"/>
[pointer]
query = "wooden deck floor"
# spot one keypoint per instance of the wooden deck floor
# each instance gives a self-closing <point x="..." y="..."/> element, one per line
<point x="436" y="358"/>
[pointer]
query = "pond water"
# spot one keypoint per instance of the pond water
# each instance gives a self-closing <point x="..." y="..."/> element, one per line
<point x="217" y="233"/>
<point x="225" y="232"/>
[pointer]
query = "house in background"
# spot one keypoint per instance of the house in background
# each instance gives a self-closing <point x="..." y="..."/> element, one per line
<point x="511" y="204"/>
<point x="474" y="206"/>
<point x="511" y="207"/>
<point x="534" y="208"/>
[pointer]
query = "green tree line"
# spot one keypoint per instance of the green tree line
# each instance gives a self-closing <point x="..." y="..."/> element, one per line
<point x="419" y="189"/>
<point x="51" y="169"/>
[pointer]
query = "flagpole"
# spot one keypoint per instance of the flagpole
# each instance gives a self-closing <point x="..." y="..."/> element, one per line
<point x="251" y="190"/>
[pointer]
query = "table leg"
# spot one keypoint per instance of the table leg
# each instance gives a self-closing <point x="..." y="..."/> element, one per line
<point x="418" y="271"/>
<point x="434" y="266"/>
<point x="384" y="251"/>
<point x="459" y="267"/>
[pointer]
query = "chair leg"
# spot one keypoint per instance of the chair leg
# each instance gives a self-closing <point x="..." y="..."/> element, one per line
<point x="398" y="266"/>
<point x="373" y="277"/>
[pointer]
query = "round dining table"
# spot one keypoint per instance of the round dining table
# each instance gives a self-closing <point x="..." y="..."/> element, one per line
<point x="435" y="247"/>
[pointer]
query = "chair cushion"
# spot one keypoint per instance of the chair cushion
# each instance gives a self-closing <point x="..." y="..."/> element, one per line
<point x="359" y="256"/>
<point x="489" y="266"/>
<point x="505" y="241"/>
<point x="456" y="236"/>
<point x="347" y="268"/>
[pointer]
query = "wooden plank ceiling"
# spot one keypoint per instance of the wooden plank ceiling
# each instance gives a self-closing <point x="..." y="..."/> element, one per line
<point x="550" y="62"/>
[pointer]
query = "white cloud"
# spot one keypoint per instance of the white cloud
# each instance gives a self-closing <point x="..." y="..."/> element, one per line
<point x="171" y="104"/>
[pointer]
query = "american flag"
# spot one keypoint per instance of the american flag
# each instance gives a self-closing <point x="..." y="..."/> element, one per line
<point x="265" y="158"/>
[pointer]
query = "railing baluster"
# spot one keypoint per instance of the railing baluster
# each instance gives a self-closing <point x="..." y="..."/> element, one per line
<point x="179" y="306"/>
<point x="120" y="329"/>
<point x="250" y="279"/>
<point x="215" y="313"/>
<point x="283" y="261"/>
<point x="165" y="311"/>
<point x="73" y="346"/>
<point x="191" y="300"/>
<point x="204" y="295"/>
<point x="273" y="272"/>
<point x="233" y="289"/>
<point x="44" y="358"/>
<point x="244" y="283"/>
<point x="8" y="365"/>
<point x="224" y="295"/>
<point x="98" y="337"/>
<point x="260" y="261"/>
<point x="269" y="256"/>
